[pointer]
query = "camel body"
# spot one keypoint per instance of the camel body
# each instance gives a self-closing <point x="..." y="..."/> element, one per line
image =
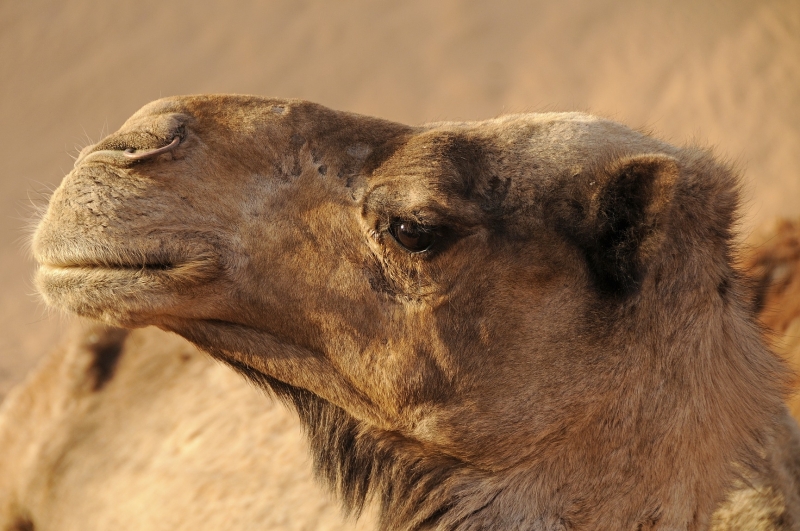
<point x="164" y="438"/>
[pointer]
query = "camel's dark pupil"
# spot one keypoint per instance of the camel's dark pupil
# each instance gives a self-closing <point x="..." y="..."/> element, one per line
<point x="411" y="236"/>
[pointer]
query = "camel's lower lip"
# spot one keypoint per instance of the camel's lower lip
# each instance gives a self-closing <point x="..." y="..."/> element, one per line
<point x="88" y="276"/>
<point x="122" y="294"/>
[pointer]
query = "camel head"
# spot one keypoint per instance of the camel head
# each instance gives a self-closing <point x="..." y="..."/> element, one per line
<point x="536" y="307"/>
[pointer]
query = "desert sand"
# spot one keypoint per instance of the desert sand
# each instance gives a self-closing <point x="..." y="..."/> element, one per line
<point x="720" y="74"/>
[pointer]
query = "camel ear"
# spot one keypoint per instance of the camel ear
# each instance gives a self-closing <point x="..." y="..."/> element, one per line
<point x="622" y="219"/>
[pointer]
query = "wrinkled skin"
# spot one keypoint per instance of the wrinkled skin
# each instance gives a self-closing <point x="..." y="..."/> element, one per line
<point x="537" y="313"/>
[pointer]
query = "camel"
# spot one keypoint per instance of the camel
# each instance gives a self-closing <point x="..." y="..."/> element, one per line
<point x="531" y="322"/>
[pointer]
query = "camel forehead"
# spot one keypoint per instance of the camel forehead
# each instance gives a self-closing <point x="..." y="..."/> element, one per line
<point x="516" y="145"/>
<point x="550" y="131"/>
<point x="522" y="147"/>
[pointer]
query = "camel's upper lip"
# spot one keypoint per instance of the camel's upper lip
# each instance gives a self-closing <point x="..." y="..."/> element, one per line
<point x="108" y="259"/>
<point x="82" y="264"/>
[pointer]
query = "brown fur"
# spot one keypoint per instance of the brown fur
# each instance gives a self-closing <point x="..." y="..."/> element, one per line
<point x="774" y="261"/>
<point x="574" y="352"/>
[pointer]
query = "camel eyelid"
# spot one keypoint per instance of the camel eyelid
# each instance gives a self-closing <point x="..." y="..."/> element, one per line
<point x="132" y="154"/>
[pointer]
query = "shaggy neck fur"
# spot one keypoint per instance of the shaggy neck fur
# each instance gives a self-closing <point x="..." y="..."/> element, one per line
<point x="672" y="478"/>
<point x="360" y="464"/>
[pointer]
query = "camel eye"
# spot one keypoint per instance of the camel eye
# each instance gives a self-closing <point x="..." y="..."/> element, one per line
<point x="412" y="236"/>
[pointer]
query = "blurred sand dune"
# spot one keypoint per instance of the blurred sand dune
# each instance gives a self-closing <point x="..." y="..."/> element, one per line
<point x="725" y="74"/>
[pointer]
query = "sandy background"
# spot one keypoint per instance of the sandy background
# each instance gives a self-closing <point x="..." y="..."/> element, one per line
<point x="724" y="74"/>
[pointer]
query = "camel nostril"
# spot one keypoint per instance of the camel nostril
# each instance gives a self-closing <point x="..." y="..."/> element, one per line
<point x="132" y="154"/>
